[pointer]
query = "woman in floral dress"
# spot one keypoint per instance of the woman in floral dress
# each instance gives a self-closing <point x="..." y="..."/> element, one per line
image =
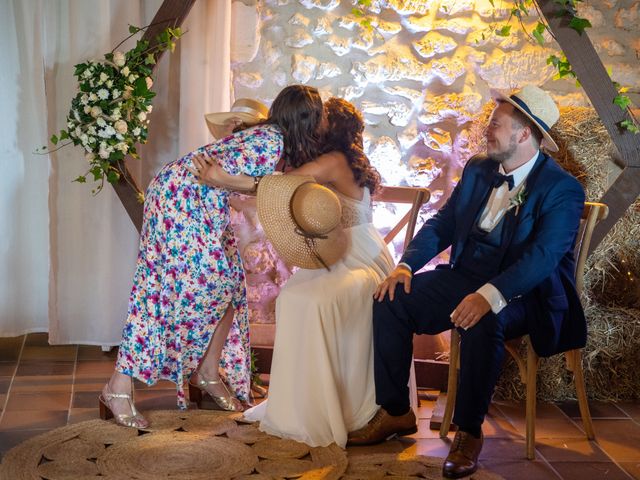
<point x="188" y="310"/>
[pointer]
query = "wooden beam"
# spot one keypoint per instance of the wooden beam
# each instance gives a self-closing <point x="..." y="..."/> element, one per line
<point x="600" y="89"/>
<point x="621" y="194"/>
<point x="170" y="14"/>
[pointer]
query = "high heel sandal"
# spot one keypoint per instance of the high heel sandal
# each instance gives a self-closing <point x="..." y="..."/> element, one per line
<point x="221" y="402"/>
<point x="135" y="420"/>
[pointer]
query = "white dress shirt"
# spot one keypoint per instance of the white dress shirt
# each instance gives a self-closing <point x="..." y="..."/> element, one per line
<point x="497" y="206"/>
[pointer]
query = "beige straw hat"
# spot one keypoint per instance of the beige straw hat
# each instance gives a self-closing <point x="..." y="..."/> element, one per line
<point x="538" y="106"/>
<point x="246" y="110"/>
<point x="301" y="218"/>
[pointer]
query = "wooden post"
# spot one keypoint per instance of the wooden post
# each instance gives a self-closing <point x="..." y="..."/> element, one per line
<point x="170" y="14"/>
<point x="600" y="89"/>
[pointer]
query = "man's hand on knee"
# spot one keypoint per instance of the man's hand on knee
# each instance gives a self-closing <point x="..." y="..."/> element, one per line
<point x="470" y="310"/>
<point x="402" y="275"/>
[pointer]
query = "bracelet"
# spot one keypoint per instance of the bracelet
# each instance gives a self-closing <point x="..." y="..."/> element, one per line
<point x="256" y="181"/>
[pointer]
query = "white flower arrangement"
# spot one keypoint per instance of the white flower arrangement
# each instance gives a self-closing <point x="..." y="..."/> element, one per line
<point x="110" y="113"/>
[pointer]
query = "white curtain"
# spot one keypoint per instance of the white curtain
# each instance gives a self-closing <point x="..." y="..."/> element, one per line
<point x="67" y="257"/>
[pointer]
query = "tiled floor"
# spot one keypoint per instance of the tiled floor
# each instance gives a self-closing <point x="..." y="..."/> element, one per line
<point x="44" y="387"/>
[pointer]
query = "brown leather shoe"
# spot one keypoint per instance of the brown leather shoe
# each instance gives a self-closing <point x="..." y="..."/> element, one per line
<point x="463" y="456"/>
<point x="382" y="427"/>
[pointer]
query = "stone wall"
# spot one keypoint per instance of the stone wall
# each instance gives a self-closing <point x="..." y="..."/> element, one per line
<point x="420" y="71"/>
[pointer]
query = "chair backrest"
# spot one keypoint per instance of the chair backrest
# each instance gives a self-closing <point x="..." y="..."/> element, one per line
<point x="591" y="215"/>
<point x="415" y="196"/>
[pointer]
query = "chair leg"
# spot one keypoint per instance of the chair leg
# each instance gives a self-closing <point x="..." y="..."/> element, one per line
<point x="581" y="393"/>
<point x="532" y="370"/>
<point x="452" y="382"/>
<point x="413" y="389"/>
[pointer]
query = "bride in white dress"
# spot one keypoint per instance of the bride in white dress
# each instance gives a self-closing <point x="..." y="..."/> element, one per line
<point x="321" y="384"/>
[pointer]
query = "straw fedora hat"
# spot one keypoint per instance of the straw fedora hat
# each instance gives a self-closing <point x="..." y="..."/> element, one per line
<point x="301" y="218"/>
<point x="538" y="106"/>
<point x="247" y="110"/>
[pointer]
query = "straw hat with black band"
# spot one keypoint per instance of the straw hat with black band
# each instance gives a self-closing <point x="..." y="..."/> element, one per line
<point x="247" y="110"/>
<point x="301" y="218"/>
<point x="538" y="106"/>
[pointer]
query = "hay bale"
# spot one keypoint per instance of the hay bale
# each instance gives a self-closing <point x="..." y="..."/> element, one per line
<point x="610" y="362"/>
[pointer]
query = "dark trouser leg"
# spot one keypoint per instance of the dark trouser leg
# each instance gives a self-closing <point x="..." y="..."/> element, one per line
<point x="426" y="309"/>
<point x="481" y="354"/>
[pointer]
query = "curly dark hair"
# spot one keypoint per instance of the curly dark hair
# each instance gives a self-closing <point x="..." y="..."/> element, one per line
<point x="298" y="110"/>
<point x="345" y="135"/>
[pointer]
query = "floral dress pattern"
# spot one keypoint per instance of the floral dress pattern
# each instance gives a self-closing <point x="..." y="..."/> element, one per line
<point x="189" y="270"/>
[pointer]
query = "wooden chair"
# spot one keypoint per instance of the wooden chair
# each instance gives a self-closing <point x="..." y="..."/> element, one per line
<point x="416" y="197"/>
<point x="591" y="215"/>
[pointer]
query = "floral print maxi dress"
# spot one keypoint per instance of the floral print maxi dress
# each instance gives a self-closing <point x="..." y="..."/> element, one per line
<point x="189" y="271"/>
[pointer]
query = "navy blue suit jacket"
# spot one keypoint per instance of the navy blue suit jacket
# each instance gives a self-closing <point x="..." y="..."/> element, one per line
<point x="539" y="259"/>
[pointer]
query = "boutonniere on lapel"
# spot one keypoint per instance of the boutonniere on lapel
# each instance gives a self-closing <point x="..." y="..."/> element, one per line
<point x="517" y="200"/>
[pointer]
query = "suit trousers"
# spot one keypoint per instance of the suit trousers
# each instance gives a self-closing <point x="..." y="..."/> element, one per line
<point x="426" y="310"/>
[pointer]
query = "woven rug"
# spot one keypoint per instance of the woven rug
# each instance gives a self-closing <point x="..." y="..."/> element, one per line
<point x="198" y="445"/>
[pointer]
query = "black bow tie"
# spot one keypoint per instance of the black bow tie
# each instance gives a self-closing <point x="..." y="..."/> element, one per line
<point x="499" y="179"/>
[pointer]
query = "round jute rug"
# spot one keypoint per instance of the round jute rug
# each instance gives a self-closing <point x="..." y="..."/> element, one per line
<point x="198" y="445"/>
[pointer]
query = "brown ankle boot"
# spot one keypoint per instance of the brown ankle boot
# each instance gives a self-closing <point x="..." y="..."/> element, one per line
<point x="463" y="455"/>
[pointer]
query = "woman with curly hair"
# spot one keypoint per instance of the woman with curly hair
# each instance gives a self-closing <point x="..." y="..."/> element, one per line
<point x="321" y="385"/>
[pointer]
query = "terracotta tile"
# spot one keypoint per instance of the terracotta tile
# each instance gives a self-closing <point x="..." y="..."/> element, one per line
<point x="551" y="422"/>
<point x="161" y="385"/>
<point x="83" y="414"/>
<point x="89" y="383"/>
<point x="156" y="399"/>
<point x="10" y="348"/>
<point x="620" y="439"/>
<point x="597" y="409"/>
<point x="36" y="419"/>
<point x="94" y="368"/>
<point x="45" y="368"/>
<point x="10" y="439"/>
<point x="632" y="468"/>
<point x="94" y="352"/>
<point x="590" y="471"/>
<point x="503" y="448"/>
<point x="5" y="382"/>
<point x="631" y="408"/>
<point x="520" y="470"/>
<point x="499" y="427"/>
<point x="431" y="447"/>
<point x="55" y="353"/>
<point x="37" y="340"/>
<point x="42" y="383"/>
<point x="24" y="401"/>
<point x="7" y="369"/>
<point x="425" y="432"/>
<point x="570" y="450"/>
<point x="85" y="399"/>
<point x="425" y="410"/>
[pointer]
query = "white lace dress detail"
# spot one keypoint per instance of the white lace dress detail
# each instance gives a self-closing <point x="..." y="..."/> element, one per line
<point x="355" y="212"/>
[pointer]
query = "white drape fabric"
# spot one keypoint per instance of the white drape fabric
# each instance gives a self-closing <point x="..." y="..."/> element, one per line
<point x="67" y="257"/>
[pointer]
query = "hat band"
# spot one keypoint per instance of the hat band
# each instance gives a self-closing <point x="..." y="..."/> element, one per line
<point x="526" y="108"/>
<point x="249" y="110"/>
<point x="310" y="240"/>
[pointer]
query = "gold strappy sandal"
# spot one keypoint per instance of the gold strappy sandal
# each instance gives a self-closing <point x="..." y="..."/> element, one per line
<point x="221" y="402"/>
<point x="135" y="420"/>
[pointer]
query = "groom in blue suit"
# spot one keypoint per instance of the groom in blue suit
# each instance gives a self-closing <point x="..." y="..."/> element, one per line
<point x="511" y="223"/>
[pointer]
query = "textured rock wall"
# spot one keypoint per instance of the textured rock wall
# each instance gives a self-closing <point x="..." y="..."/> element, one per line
<point x="420" y="70"/>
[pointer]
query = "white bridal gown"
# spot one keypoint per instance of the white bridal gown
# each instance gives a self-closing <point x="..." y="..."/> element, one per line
<point x="321" y="385"/>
